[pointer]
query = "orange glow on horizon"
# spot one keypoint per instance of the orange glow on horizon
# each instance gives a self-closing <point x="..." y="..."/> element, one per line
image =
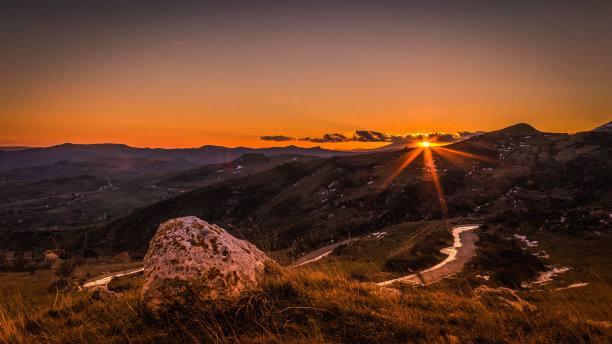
<point x="171" y="79"/>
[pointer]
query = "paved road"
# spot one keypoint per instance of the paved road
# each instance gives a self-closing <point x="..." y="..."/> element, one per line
<point x="462" y="250"/>
<point x="320" y="253"/>
<point x="102" y="280"/>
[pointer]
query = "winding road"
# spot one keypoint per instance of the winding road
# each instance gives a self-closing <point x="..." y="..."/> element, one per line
<point x="462" y="250"/>
<point x="319" y="254"/>
<point x="103" y="280"/>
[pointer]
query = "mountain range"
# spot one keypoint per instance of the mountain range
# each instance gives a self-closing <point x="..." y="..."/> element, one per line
<point x="118" y="161"/>
<point x="298" y="201"/>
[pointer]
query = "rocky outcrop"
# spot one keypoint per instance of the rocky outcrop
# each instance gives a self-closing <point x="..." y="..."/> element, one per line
<point x="190" y="255"/>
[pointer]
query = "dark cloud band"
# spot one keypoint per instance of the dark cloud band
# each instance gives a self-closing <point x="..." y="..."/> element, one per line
<point x="376" y="136"/>
<point x="279" y="138"/>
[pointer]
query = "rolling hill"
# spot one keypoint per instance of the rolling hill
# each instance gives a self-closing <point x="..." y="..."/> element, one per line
<point x="301" y="205"/>
<point x="309" y="203"/>
<point x="73" y="202"/>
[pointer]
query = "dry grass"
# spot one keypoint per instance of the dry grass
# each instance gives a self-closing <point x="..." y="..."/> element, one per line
<point x="309" y="306"/>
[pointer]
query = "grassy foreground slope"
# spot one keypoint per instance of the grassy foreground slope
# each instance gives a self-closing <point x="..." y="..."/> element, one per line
<point x="334" y="300"/>
<point x="304" y="306"/>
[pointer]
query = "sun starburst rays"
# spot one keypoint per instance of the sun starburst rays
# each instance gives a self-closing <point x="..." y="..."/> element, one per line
<point x="455" y="157"/>
<point x="470" y="155"/>
<point x="410" y="156"/>
<point x="429" y="162"/>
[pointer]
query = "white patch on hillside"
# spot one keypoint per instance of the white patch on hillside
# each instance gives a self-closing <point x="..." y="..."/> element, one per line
<point x="523" y="238"/>
<point x="575" y="285"/>
<point x="546" y="276"/>
<point x="378" y="235"/>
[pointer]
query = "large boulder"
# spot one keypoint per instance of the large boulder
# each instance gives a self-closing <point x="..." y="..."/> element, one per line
<point x="189" y="255"/>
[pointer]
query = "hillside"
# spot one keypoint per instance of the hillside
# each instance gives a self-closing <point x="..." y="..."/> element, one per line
<point x="306" y="204"/>
<point x="539" y="270"/>
<point x="68" y="203"/>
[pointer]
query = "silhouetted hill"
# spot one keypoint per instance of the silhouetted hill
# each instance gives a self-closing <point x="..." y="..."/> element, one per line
<point x="519" y="129"/>
<point x="13" y="148"/>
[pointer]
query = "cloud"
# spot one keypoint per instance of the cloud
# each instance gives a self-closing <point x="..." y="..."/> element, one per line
<point x="444" y="137"/>
<point x="377" y="136"/>
<point x="468" y="134"/>
<point x="279" y="138"/>
<point x="335" y="137"/>
<point x="359" y="135"/>
<point x="371" y="136"/>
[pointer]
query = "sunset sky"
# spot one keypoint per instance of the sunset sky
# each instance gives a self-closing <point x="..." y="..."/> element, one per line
<point x="187" y="74"/>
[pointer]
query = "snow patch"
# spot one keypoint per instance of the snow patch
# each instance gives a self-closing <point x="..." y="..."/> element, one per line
<point x="378" y="235"/>
<point x="575" y="285"/>
<point x="102" y="282"/>
<point x="546" y="276"/>
<point x="523" y="238"/>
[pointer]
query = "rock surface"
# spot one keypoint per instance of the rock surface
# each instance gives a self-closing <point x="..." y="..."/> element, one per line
<point x="188" y="254"/>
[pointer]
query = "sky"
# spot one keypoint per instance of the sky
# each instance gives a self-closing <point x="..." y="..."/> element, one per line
<point x="187" y="74"/>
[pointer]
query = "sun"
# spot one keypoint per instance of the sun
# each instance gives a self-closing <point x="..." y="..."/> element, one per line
<point x="425" y="144"/>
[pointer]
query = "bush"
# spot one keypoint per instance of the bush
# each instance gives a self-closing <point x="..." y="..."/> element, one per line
<point x="66" y="268"/>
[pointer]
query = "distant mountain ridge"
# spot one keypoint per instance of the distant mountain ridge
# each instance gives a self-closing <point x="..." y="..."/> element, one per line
<point x="14" y="148"/>
<point x="108" y="160"/>
<point x="304" y="201"/>
<point x="122" y="161"/>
